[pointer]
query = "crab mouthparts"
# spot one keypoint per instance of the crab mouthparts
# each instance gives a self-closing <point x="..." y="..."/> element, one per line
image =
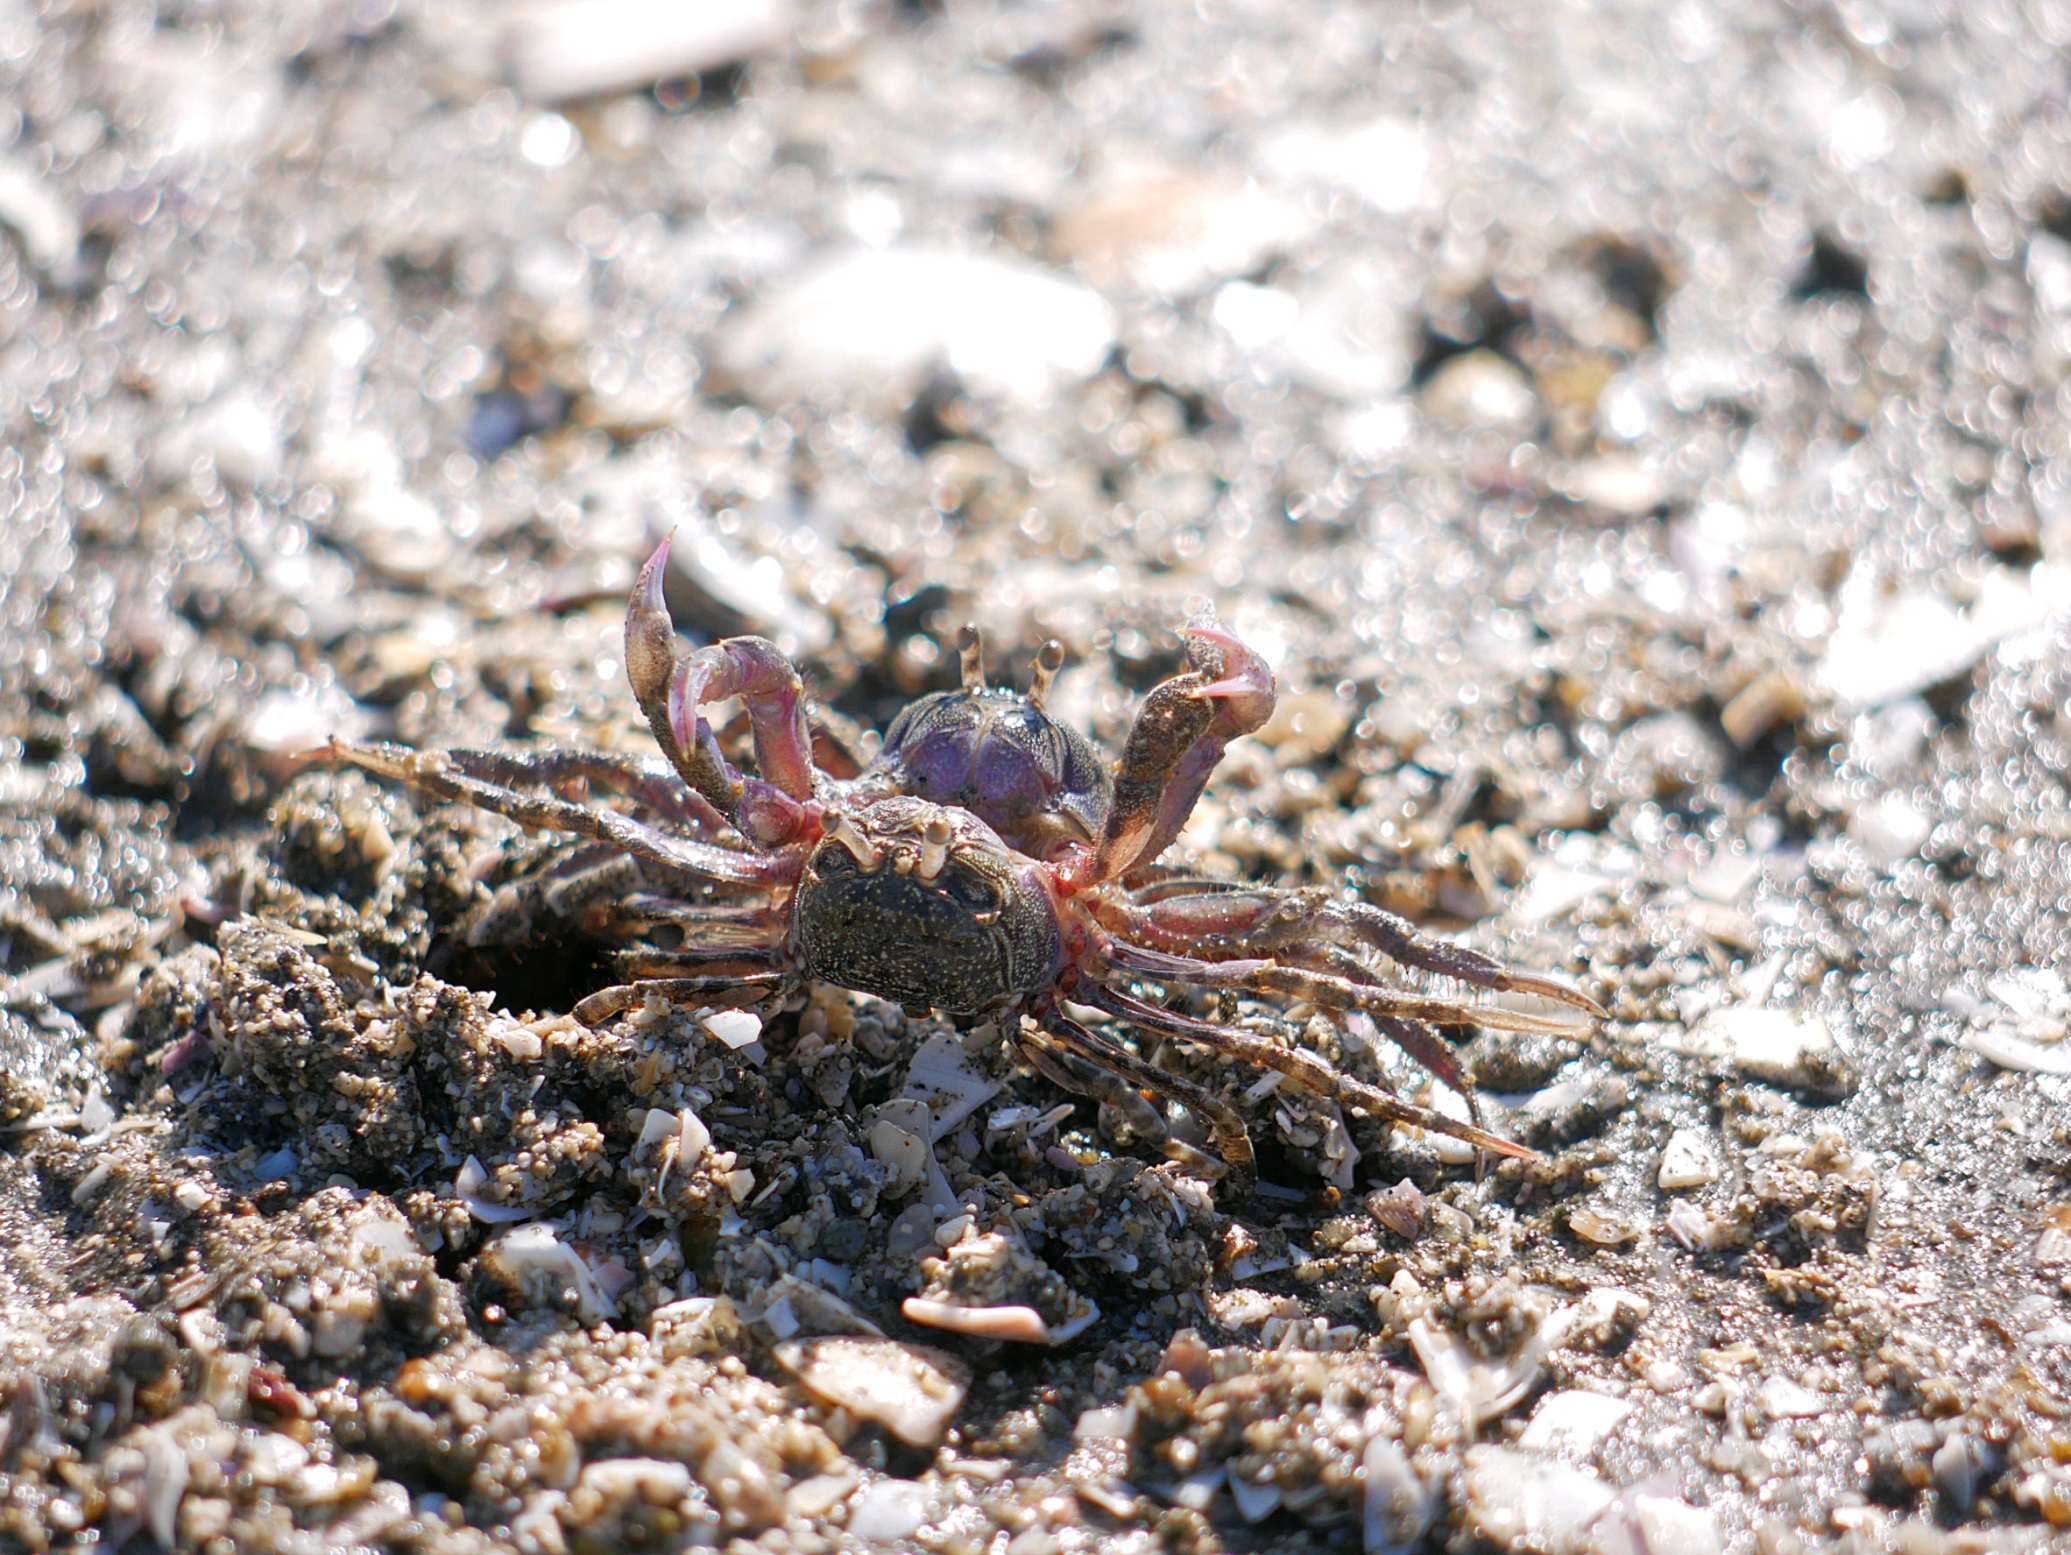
<point x="844" y="832"/>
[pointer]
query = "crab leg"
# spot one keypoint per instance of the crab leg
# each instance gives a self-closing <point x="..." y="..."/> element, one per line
<point x="692" y="918"/>
<point x="645" y="779"/>
<point x="1179" y="735"/>
<point x="1472" y="1007"/>
<point x="723" y="990"/>
<point x="1068" y="1071"/>
<point x="1082" y="1077"/>
<point x="643" y="965"/>
<point x="430" y="771"/>
<point x="1420" y="1043"/>
<point x="768" y="809"/>
<point x="1163" y="887"/>
<point x="595" y="872"/>
<point x="1231" y="1141"/>
<point x="1314" y="930"/>
<point x="1305" y="1069"/>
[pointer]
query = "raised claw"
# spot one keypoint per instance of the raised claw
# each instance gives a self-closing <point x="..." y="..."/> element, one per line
<point x="1179" y="735"/>
<point x="672" y="690"/>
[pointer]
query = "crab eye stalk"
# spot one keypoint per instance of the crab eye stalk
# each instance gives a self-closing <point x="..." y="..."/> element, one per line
<point x="1049" y="660"/>
<point x="934" y="847"/>
<point x="970" y="650"/>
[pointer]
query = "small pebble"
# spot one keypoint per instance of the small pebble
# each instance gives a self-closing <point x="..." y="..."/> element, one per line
<point x="913" y="1390"/>
<point x="1687" y="1161"/>
<point x="1479" y="390"/>
<point x="581" y="48"/>
<point x="1670" y="1526"/>
<point x="883" y="317"/>
<point x="1519" y="1500"/>
<point x="1784" y="1399"/>
<point x="1399" y="1506"/>
<point x="1573" y="1420"/>
<point x="890" y="1510"/>
<point x="1781" y="1047"/>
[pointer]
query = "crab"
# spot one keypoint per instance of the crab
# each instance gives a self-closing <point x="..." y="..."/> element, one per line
<point x="989" y="864"/>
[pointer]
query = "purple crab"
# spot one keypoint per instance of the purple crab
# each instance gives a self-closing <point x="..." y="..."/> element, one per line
<point x="987" y="863"/>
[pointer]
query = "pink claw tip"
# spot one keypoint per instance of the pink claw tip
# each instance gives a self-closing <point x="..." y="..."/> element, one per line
<point x="652" y="574"/>
<point x="683" y="720"/>
<point x="1208" y="626"/>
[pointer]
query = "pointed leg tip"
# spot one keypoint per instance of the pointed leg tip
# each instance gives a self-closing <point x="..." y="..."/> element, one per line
<point x="1574" y="998"/>
<point x="330" y="750"/>
<point x="1533" y="985"/>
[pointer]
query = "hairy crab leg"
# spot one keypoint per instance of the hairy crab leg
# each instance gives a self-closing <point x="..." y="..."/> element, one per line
<point x="596" y="871"/>
<point x="567" y="893"/>
<point x="1082" y="1077"/>
<point x="726" y="918"/>
<point x="644" y="965"/>
<point x="1303" y="927"/>
<point x="430" y="771"/>
<point x="648" y="780"/>
<point x="1305" y="1069"/>
<point x="1263" y="974"/>
<point x="1179" y="735"/>
<point x="1419" y="1042"/>
<point x="661" y="908"/>
<point x="769" y="809"/>
<point x="726" y="991"/>
<point x="1068" y="1071"/>
<point x="1162" y="887"/>
<point x="1231" y="1140"/>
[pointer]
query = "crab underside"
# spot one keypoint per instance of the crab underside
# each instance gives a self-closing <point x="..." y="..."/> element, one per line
<point x="987" y="863"/>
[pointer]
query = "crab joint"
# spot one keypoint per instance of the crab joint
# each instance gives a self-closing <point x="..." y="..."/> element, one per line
<point x="934" y="847"/>
<point x="840" y="829"/>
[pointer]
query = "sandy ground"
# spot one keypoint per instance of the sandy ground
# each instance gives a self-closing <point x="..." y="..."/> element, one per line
<point x="1634" y="435"/>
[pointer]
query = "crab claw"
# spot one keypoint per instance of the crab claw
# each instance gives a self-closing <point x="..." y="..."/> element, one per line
<point x="668" y="688"/>
<point x="671" y="689"/>
<point x="650" y="635"/>
<point x="1179" y="735"/>
<point x="1236" y="676"/>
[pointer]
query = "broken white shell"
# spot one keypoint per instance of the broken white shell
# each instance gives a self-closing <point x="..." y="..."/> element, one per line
<point x="736" y="1028"/>
<point x="912" y="1390"/>
<point x="1022" y="1325"/>
<point x="539" y="1263"/>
